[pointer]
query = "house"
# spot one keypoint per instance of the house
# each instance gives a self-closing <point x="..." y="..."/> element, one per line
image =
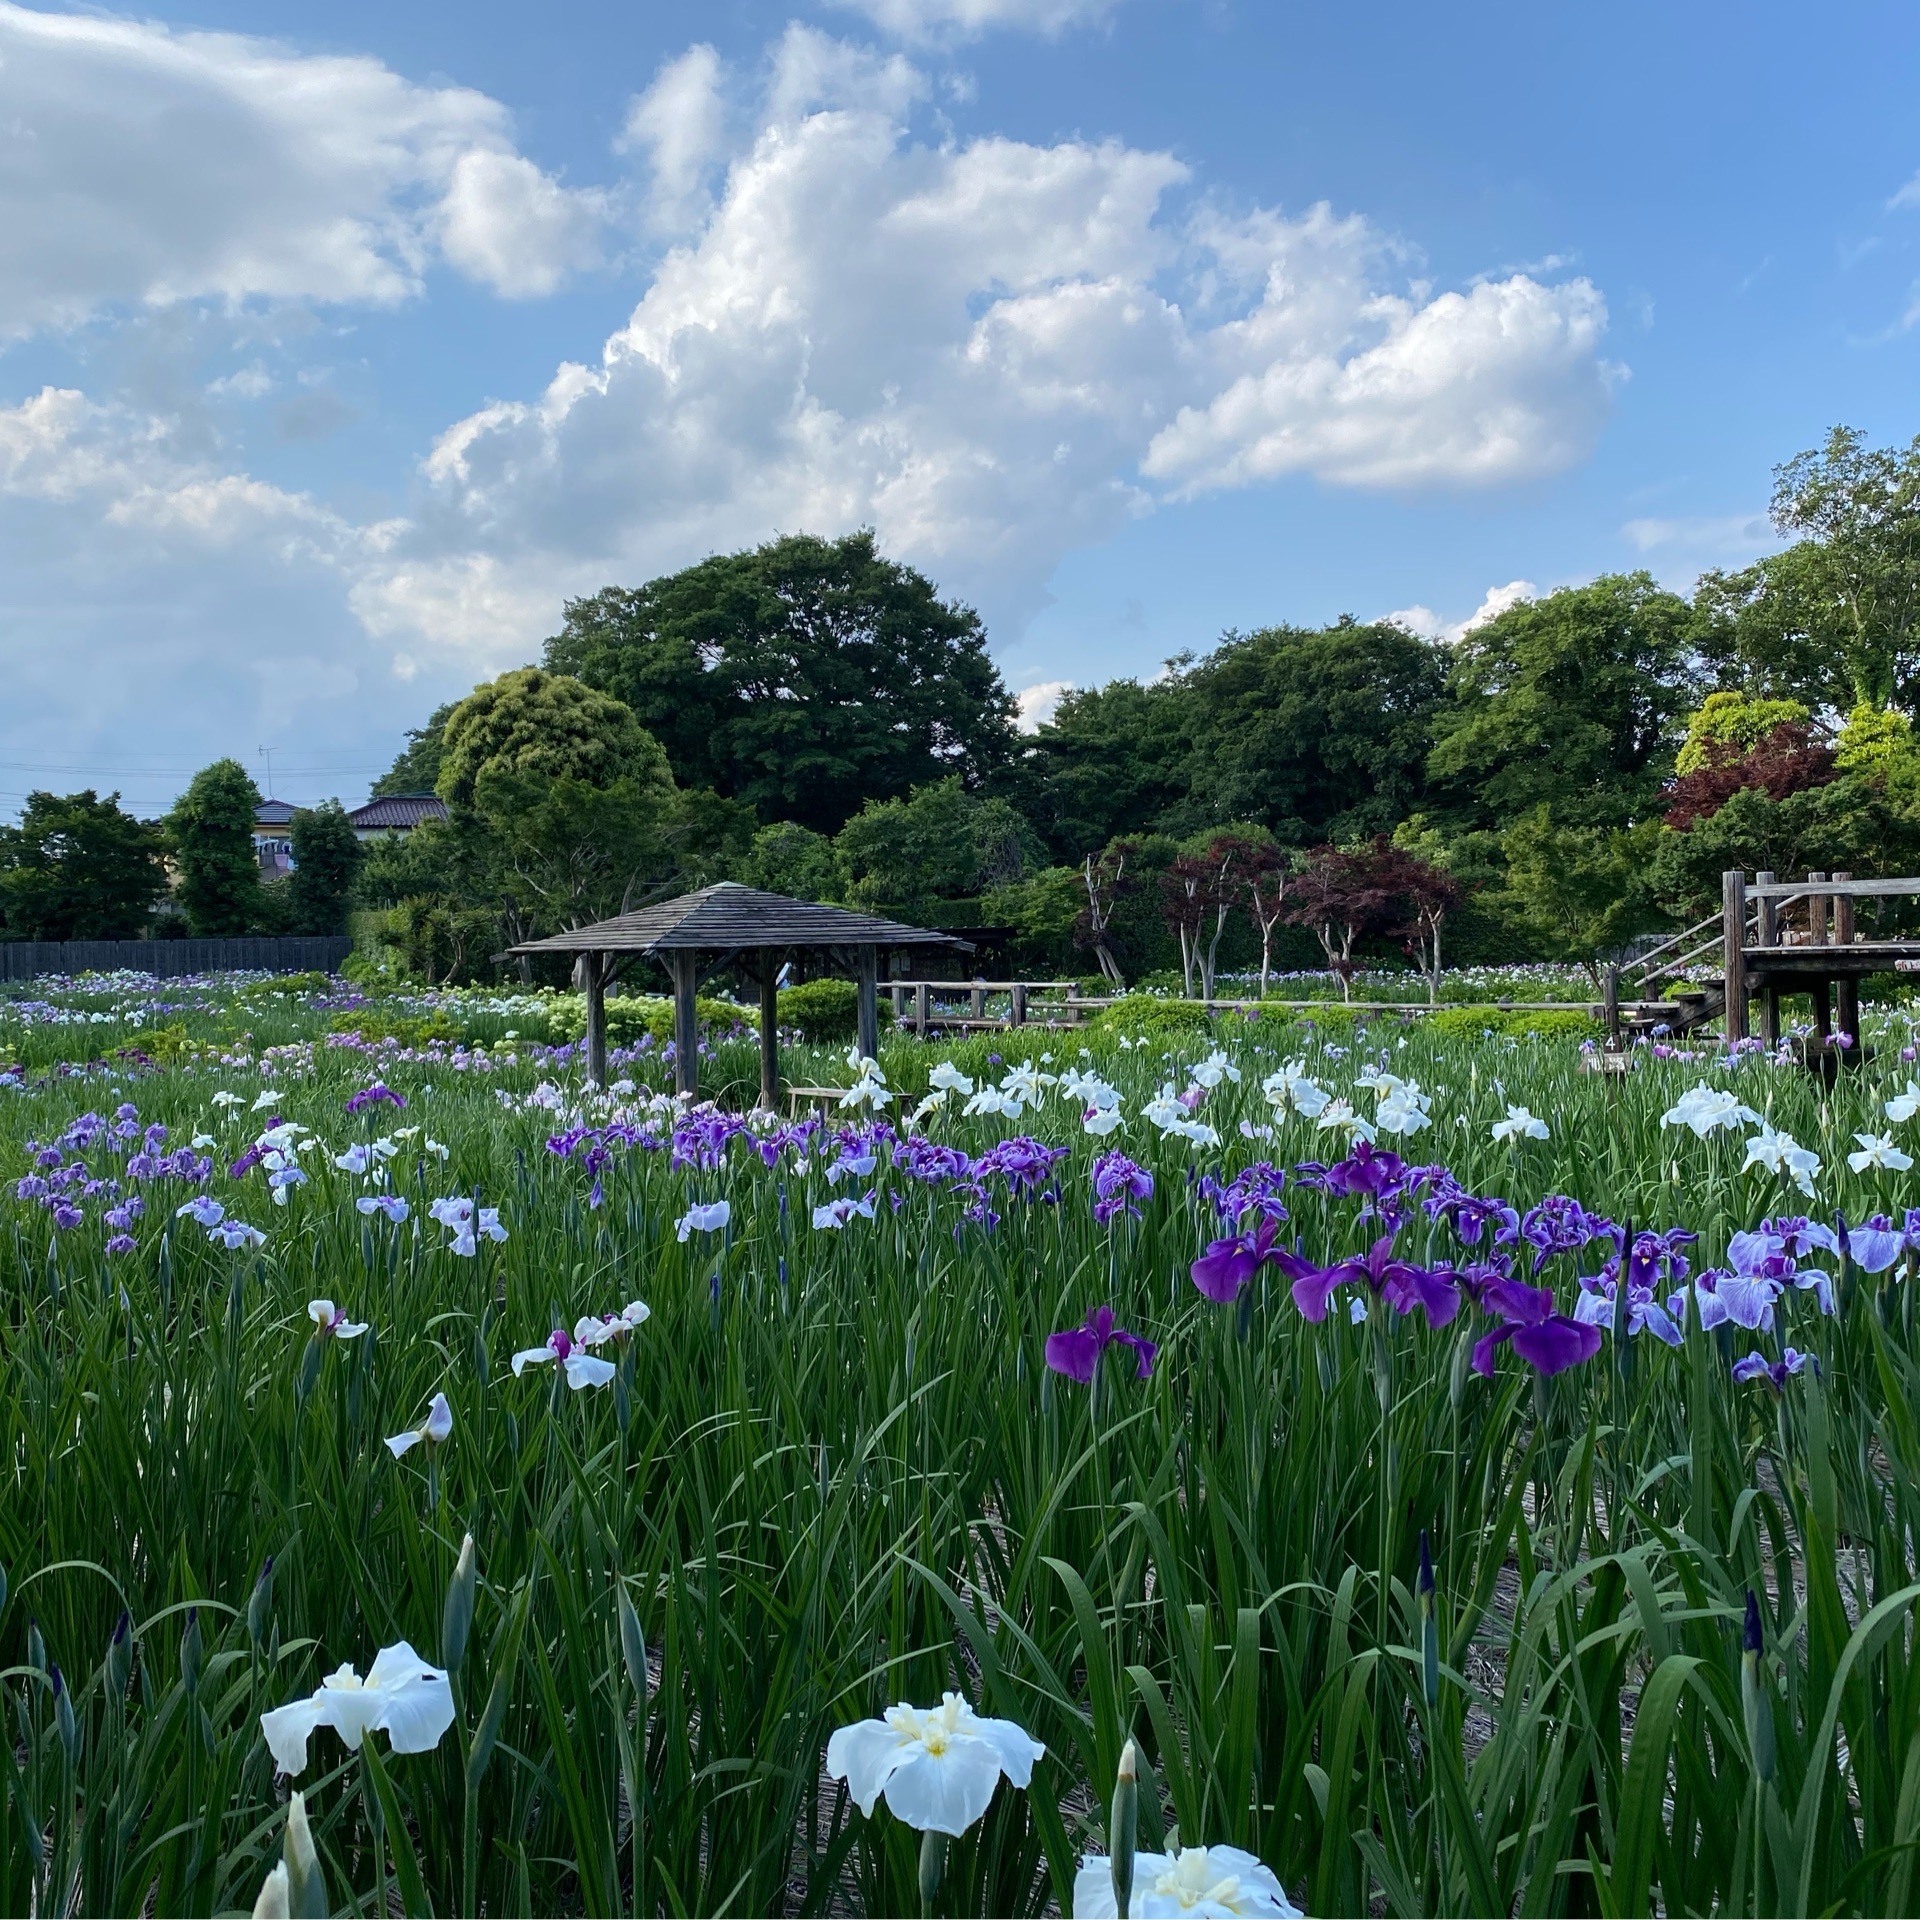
<point x="273" y="836"/>
<point x="395" y="813"/>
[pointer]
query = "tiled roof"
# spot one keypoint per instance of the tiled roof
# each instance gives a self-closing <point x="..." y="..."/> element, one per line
<point x="273" y="813"/>
<point x="721" y="918"/>
<point x="398" y="811"/>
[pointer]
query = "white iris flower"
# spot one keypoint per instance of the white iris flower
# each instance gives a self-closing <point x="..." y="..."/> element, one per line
<point x="401" y="1694"/>
<point x="937" y="1766"/>
<point x="1199" y="1882"/>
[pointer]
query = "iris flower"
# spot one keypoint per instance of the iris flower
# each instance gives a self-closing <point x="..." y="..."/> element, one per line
<point x="1117" y="1183"/>
<point x="1199" y="1883"/>
<point x="1879" y="1152"/>
<point x="411" y="1701"/>
<point x="1708" y="1109"/>
<point x="1520" y="1125"/>
<point x="583" y="1369"/>
<point x="1779" y="1153"/>
<point x="1756" y="1366"/>
<point x="233" y="1234"/>
<point x="435" y="1429"/>
<point x="937" y="1766"/>
<point x="1403" y="1286"/>
<point x="707" y="1219"/>
<point x="1548" y="1341"/>
<point x="331" y="1322"/>
<point x="1228" y="1264"/>
<point x="389" y="1204"/>
<point x="1076" y="1351"/>
<point x="838" y="1213"/>
<point x="1877" y="1243"/>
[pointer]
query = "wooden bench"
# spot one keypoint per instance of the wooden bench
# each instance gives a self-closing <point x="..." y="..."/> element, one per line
<point x="824" y="1100"/>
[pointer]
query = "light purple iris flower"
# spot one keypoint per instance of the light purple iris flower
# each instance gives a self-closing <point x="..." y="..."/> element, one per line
<point x="1401" y="1284"/>
<point x="1756" y="1366"/>
<point x="1877" y="1243"/>
<point x="373" y="1096"/>
<point x="1117" y="1183"/>
<point x="1597" y="1306"/>
<point x="1076" y="1351"/>
<point x="1548" y="1341"/>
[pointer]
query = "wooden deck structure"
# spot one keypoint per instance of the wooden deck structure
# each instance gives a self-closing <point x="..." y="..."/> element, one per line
<point x="922" y="1004"/>
<point x="1771" y="937"/>
<point x="701" y="934"/>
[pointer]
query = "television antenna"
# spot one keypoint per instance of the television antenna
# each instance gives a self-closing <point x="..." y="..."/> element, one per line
<point x="266" y="753"/>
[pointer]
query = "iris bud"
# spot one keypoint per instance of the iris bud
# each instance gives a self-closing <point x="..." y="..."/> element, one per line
<point x="120" y="1657"/>
<point x="63" y="1717"/>
<point x="260" y="1603"/>
<point x="306" y="1882"/>
<point x="36" y="1646"/>
<point x="633" y="1645"/>
<point x="456" y="1619"/>
<point x="273" y="1901"/>
<point x="933" y="1862"/>
<point x="1429" y="1626"/>
<point x="190" y="1646"/>
<point x="1753" y="1699"/>
<point x="1123" y="1828"/>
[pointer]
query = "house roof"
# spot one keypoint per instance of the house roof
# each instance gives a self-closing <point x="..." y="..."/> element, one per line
<point x="723" y="917"/>
<point x="399" y="811"/>
<point x="273" y="813"/>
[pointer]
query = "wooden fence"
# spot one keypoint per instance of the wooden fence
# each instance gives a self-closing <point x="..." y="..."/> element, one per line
<point x="28" y="959"/>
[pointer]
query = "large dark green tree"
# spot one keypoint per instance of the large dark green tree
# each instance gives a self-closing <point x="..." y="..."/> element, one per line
<point x="1834" y="620"/>
<point x="78" y="868"/>
<point x="416" y="769"/>
<point x="801" y="678"/>
<point x="1110" y="763"/>
<point x="211" y="831"/>
<point x="326" y="858"/>
<point x="1574" y="702"/>
<point x="1317" y="734"/>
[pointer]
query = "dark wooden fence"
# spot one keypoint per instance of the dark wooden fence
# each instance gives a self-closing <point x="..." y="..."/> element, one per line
<point x="27" y="959"/>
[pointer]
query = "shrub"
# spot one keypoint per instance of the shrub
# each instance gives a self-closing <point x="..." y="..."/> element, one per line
<point x="410" y="1029"/>
<point x="632" y="1015"/>
<point x="825" y="1011"/>
<point x="1142" y="1016"/>
<point x="1471" y="1023"/>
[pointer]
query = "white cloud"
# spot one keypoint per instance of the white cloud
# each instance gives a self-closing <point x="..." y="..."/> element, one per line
<point x="931" y="21"/>
<point x="680" y="124"/>
<point x="139" y="165"/>
<point x="1728" y="533"/>
<point x="1036" y="705"/>
<point x="992" y="351"/>
<point x="1429" y="625"/>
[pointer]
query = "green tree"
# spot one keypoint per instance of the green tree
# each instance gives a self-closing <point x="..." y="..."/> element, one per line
<point x="1730" y="719"/>
<point x="545" y="726"/>
<point x="1043" y="909"/>
<point x="794" y="860"/>
<point x="939" y="844"/>
<point x="1317" y="734"/>
<point x="417" y="767"/>
<point x="800" y="678"/>
<point x="1581" y="890"/>
<point x="326" y="858"/>
<point x="211" y="832"/>
<point x="1834" y="620"/>
<point x="1571" y="702"/>
<point x="78" y="868"/>
<point x="1109" y="764"/>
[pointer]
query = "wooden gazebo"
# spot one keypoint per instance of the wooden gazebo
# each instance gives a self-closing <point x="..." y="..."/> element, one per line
<point x="701" y="934"/>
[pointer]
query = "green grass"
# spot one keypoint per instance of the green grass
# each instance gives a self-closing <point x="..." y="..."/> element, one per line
<point x="834" y="1472"/>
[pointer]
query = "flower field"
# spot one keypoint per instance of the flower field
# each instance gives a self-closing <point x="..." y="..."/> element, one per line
<point x="1473" y="1484"/>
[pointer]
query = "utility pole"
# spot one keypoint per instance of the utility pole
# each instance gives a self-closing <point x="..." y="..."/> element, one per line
<point x="266" y="753"/>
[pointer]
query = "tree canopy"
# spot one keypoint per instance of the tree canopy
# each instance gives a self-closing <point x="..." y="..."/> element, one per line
<point x="211" y="831"/>
<point x="79" y="868"/>
<point x="802" y="678"/>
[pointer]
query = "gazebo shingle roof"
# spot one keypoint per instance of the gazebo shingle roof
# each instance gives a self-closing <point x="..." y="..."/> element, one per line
<point x="727" y="916"/>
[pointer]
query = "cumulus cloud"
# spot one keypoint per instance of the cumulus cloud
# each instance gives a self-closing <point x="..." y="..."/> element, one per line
<point x="1430" y="626"/>
<point x="139" y="165"/>
<point x="930" y="21"/>
<point x="992" y="351"/>
<point x="1037" y="704"/>
<point x="679" y="124"/>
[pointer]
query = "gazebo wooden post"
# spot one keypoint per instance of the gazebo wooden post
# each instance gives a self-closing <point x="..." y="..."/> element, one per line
<point x="1733" y="920"/>
<point x="769" y="1029"/>
<point x="866" y="975"/>
<point x="595" y="967"/>
<point x="683" y="965"/>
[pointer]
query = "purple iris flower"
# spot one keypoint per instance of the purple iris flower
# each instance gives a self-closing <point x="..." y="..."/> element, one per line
<point x="1117" y="1183"/>
<point x="1560" y="1225"/>
<point x="1227" y="1265"/>
<point x="122" y="1243"/>
<point x="247" y="1162"/>
<point x="1255" y="1189"/>
<point x="1762" y="1270"/>
<point x="1469" y="1215"/>
<point x="1023" y="1162"/>
<point x="1367" y="1173"/>
<point x="920" y="1158"/>
<point x="1076" y="1351"/>
<point x="1756" y="1366"/>
<point x="372" y="1096"/>
<point x="66" y="1218"/>
<point x="1548" y="1341"/>
<point x="1402" y="1285"/>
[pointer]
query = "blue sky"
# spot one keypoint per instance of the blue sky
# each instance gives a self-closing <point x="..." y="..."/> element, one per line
<point x="338" y="346"/>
